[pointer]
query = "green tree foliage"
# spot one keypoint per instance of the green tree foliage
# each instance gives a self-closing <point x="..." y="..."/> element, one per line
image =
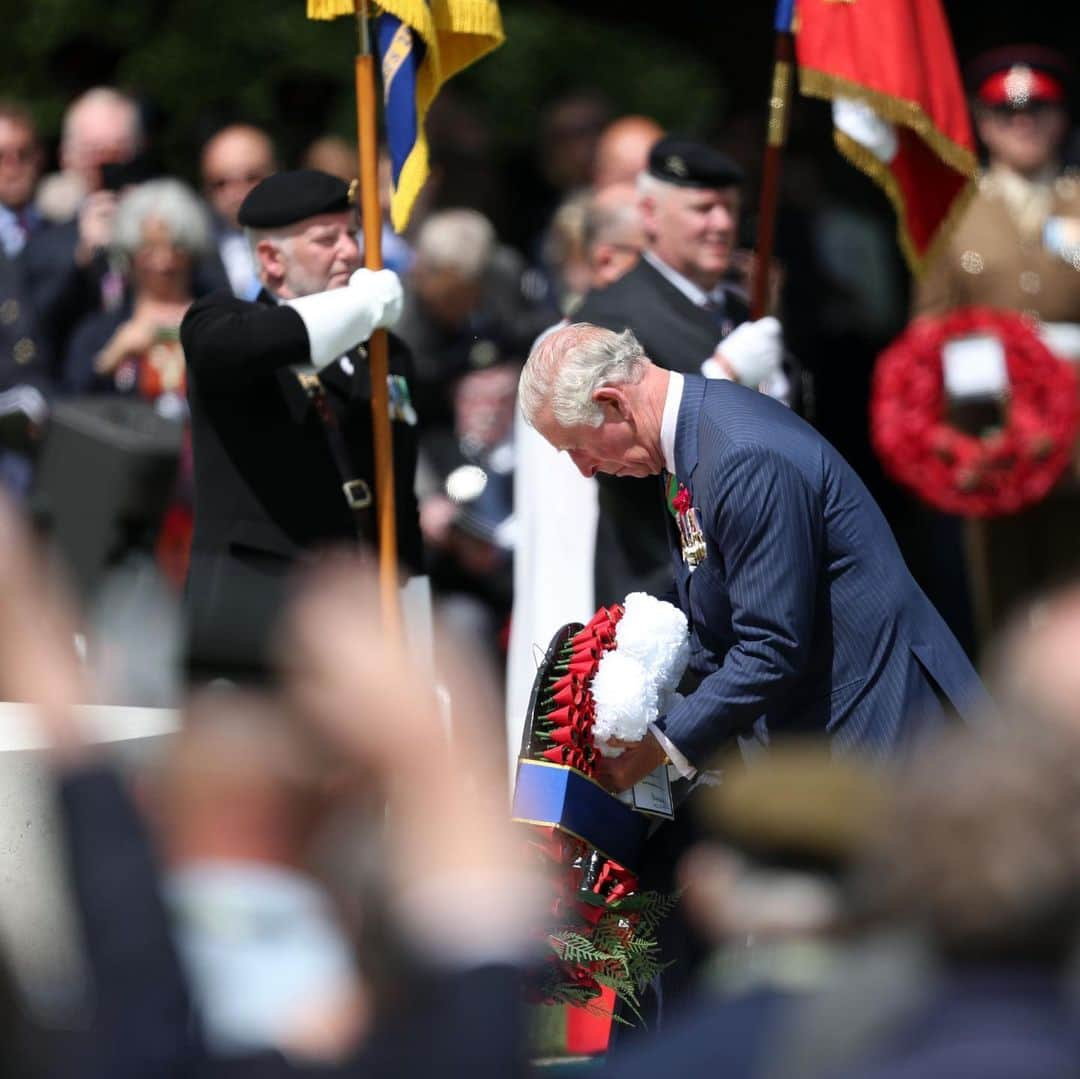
<point x="200" y="61"/>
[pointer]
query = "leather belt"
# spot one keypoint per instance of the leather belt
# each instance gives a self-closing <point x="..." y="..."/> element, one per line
<point x="357" y="492"/>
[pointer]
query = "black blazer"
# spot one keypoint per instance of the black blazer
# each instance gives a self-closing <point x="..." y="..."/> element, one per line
<point x="631" y="537"/>
<point x="267" y="490"/>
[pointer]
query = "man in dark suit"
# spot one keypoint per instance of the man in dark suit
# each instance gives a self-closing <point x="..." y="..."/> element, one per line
<point x="680" y="302"/>
<point x="803" y="616"/>
<point x="280" y="400"/>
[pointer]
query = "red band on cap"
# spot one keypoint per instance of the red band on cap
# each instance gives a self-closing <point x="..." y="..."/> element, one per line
<point x="1020" y="85"/>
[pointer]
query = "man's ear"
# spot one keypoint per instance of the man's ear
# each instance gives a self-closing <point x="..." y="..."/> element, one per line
<point x="270" y="257"/>
<point x="613" y="400"/>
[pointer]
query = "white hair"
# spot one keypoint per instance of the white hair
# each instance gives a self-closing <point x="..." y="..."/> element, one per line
<point x="169" y="201"/>
<point x="569" y="364"/>
<point x="460" y="240"/>
<point x="652" y="187"/>
<point x="280" y="236"/>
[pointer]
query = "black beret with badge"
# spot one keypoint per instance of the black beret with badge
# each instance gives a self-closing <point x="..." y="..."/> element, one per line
<point x="689" y="163"/>
<point x="288" y="197"/>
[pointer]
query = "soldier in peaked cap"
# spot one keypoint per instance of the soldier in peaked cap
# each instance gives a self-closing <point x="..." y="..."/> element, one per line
<point x="683" y="309"/>
<point x="280" y="398"/>
<point x="1017" y="248"/>
<point x="1018" y="245"/>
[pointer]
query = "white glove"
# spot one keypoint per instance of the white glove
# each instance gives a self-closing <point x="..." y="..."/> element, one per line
<point x="752" y="350"/>
<point x="341" y="318"/>
<point x="384" y="286"/>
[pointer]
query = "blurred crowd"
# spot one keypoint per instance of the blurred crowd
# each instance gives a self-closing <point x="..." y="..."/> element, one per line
<point x="323" y="880"/>
<point x="297" y="892"/>
<point x="101" y="255"/>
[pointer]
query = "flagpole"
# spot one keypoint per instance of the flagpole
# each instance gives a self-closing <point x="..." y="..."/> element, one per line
<point x="378" y="346"/>
<point x="779" y="109"/>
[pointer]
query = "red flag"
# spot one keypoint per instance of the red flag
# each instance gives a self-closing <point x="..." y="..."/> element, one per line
<point x="899" y="110"/>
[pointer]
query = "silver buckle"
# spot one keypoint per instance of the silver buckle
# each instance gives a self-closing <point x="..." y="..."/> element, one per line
<point x="357" y="494"/>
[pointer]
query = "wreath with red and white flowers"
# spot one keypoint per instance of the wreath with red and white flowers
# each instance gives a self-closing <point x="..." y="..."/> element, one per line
<point x="1001" y="469"/>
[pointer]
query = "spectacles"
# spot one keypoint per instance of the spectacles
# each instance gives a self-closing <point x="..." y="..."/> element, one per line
<point x="21" y="155"/>
<point x="248" y="179"/>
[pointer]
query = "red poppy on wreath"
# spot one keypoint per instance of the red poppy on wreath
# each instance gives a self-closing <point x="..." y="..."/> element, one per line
<point x="1000" y="470"/>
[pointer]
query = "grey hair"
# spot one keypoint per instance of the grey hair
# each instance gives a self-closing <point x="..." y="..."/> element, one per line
<point x="569" y="364"/>
<point x="279" y="236"/>
<point x="652" y="187"/>
<point x="168" y="201"/>
<point x="609" y="224"/>
<point x="461" y="240"/>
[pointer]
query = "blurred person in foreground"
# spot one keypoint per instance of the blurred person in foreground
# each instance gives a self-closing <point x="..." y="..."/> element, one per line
<point x="767" y="884"/>
<point x="1032" y="665"/>
<point x="280" y="398"/>
<point x="981" y="852"/>
<point x="21" y="161"/>
<point x="679" y="304"/>
<point x="449" y="860"/>
<point x="232" y="162"/>
<point x="238" y="799"/>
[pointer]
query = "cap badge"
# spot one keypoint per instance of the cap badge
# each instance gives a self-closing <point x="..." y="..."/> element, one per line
<point x="1019" y="82"/>
<point x="675" y="165"/>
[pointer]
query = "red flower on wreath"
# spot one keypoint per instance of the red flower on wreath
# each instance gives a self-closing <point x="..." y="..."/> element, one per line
<point x="1000" y="471"/>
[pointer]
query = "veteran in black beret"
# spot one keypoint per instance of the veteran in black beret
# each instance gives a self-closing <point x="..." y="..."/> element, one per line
<point x="683" y="304"/>
<point x="280" y="398"/>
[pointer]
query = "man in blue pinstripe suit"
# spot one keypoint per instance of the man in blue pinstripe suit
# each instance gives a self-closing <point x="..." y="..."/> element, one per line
<point x="804" y="618"/>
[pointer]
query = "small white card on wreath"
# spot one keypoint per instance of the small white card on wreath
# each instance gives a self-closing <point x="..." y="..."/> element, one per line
<point x="652" y="794"/>
<point x="975" y="367"/>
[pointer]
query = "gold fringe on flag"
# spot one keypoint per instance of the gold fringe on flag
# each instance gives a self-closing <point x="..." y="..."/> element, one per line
<point x="330" y="9"/>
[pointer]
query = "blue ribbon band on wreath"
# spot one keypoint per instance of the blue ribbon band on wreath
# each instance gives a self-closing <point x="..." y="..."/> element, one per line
<point x="556" y="796"/>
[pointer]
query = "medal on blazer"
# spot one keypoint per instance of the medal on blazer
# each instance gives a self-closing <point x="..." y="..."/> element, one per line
<point x="691" y="538"/>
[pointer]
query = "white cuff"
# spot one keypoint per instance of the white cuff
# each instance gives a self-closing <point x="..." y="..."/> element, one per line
<point x="685" y="768"/>
<point x="341" y="318"/>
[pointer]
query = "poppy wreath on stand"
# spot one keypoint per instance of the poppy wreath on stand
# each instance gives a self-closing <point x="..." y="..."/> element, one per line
<point x="604" y="681"/>
<point x="999" y="470"/>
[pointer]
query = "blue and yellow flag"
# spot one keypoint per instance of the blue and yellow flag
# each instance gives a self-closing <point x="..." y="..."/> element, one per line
<point x="421" y="44"/>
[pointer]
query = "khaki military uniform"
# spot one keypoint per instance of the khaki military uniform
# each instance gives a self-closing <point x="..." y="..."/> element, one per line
<point x="998" y="257"/>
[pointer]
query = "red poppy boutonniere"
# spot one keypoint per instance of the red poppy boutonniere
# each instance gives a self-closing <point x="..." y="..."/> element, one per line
<point x="691" y="538"/>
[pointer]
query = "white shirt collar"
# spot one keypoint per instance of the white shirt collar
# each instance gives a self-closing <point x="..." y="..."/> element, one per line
<point x="670" y="419"/>
<point x="696" y="295"/>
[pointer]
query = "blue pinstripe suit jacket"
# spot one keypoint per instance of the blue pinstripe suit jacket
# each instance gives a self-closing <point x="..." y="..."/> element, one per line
<point x="804" y="617"/>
